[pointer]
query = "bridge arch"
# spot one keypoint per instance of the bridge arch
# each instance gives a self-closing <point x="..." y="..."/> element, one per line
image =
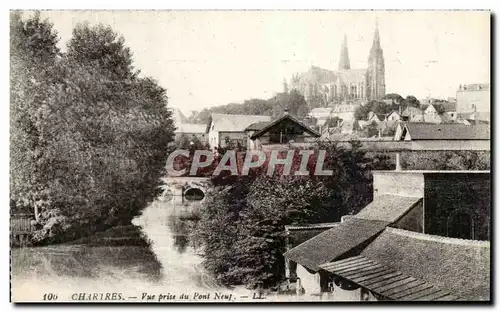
<point x="194" y="193"/>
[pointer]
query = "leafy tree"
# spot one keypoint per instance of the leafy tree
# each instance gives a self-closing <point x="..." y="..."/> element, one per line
<point x="33" y="54"/>
<point x="396" y="98"/>
<point x="95" y="137"/>
<point x="294" y="102"/>
<point x="412" y="101"/>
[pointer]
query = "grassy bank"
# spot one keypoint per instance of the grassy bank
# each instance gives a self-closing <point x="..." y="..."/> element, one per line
<point x="124" y="235"/>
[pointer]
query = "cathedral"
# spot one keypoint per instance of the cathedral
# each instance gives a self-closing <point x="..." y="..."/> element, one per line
<point x="345" y="85"/>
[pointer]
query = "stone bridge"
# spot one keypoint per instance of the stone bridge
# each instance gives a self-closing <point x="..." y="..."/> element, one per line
<point x="188" y="188"/>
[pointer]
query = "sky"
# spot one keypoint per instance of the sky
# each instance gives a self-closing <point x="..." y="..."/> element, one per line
<point x="209" y="58"/>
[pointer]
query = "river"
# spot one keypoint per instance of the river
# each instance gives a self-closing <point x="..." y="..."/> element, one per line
<point x="167" y="266"/>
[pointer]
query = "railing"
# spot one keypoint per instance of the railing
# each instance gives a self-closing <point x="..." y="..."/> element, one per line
<point x="21" y="223"/>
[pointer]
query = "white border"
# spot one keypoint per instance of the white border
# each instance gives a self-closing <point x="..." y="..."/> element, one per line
<point x="188" y="4"/>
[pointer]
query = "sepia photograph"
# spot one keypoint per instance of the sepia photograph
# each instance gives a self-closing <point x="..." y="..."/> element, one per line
<point x="250" y="156"/>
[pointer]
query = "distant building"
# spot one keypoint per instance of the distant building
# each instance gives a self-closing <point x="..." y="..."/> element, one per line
<point x="432" y="115"/>
<point x="410" y="112"/>
<point x="448" y="136"/>
<point x="321" y="114"/>
<point x="192" y="131"/>
<point x="278" y="133"/>
<point x="345" y="84"/>
<point x="375" y="118"/>
<point x="223" y="129"/>
<point x="394" y="116"/>
<point x="474" y="100"/>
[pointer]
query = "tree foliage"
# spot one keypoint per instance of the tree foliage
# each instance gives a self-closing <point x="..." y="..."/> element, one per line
<point x="242" y="228"/>
<point x="293" y="101"/>
<point x="90" y="136"/>
<point x="380" y="107"/>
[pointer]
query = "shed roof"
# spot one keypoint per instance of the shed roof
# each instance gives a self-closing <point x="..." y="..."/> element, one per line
<point x="456" y="265"/>
<point x="267" y="127"/>
<point x="386" y="281"/>
<point x="333" y="243"/>
<point x="228" y="122"/>
<point x="388" y="208"/>
<point x="450" y="131"/>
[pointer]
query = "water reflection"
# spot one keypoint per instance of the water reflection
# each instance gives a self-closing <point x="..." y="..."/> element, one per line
<point x="166" y="259"/>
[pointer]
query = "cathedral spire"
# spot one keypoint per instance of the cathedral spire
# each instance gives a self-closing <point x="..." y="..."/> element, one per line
<point x="376" y="68"/>
<point x="376" y="37"/>
<point x="344" y="62"/>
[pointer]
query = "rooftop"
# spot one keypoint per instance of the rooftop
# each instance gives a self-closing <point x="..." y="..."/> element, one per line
<point x="388" y="208"/>
<point x="456" y="265"/>
<point x="228" y="122"/>
<point x="334" y="243"/>
<point x="311" y="226"/>
<point x="385" y="281"/>
<point x="269" y="125"/>
<point x="452" y="131"/>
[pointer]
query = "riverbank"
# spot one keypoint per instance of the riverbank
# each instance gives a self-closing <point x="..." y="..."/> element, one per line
<point x="123" y="235"/>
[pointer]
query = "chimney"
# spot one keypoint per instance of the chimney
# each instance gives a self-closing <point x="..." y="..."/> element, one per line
<point x="285" y="112"/>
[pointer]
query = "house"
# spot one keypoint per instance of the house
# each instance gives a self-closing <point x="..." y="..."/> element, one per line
<point x="345" y="111"/>
<point x="225" y="128"/>
<point x="474" y="98"/>
<point x="191" y="131"/>
<point x="394" y="116"/>
<point x="377" y="118"/>
<point x="415" y="241"/>
<point x="410" y="112"/>
<point x="474" y="117"/>
<point x="282" y="131"/>
<point x="321" y="114"/>
<point x="432" y="115"/>
<point x="451" y="136"/>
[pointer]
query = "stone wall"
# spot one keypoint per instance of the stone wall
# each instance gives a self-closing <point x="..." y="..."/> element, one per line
<point x="402" y="183"/>
<point x="448" y="194"/>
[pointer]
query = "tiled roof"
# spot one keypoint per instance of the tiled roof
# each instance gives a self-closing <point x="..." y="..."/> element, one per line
<point x="258" y="126"/>
<point x="456" y="265"/>
<point x="452" y="131"/>
<point x="410" y="110"/>
<point x="388" y="208"/>
<point x="383" y="280"/>
<point x="333" y="243"/>
<point x="228" y="122"/>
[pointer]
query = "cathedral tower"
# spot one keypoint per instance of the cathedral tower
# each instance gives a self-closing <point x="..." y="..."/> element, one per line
<point x="344" y="63"/>
<point x="375" y="76"/>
